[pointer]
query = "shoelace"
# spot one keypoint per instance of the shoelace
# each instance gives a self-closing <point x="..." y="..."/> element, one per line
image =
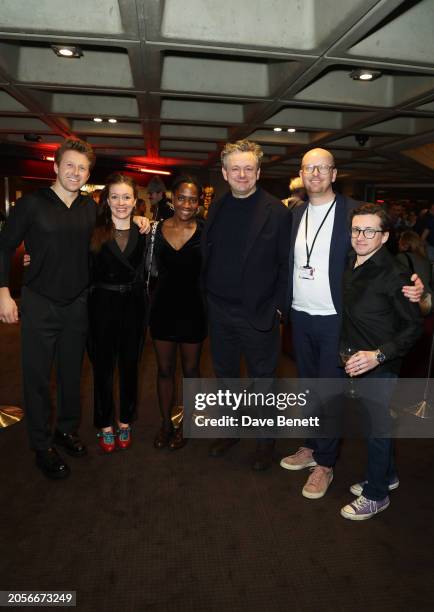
<point x="316" y="475"/>
<point x="362" y="502"/>
<point x="124" y="433"/>
<point x="300" y="451"/>
<point x="108" y="436"/>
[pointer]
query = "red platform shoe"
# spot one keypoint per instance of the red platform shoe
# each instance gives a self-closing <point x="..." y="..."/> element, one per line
<point x="123" y="438"/>
<point x="106" y="441"/>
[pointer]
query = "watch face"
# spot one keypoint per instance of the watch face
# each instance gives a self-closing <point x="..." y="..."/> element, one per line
<point x="381" y="357"/>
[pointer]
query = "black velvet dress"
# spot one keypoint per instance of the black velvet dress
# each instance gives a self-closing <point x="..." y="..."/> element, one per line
<point x="117" y="314"/>
<point x="177" y="309"/>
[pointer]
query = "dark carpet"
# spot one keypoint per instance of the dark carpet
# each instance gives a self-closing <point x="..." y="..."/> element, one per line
<point x="174" y="531"/>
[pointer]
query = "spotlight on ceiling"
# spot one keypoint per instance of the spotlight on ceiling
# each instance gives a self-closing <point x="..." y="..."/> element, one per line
<point x="97" y="119"/>
<point x="112" y="120"/>
<point x="277" y="129"/>
<point x="71" y="51"/>
<point x="291" y="130"/>
<point x="363" y="74"/>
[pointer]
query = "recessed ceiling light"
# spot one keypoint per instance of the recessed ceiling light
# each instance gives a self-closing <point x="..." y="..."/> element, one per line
<point x="291" y="130"/>
<point x="363" y="74"/>
<point x="112" y="120"/>
<point x="277" y="129"/>
<point x="67" y="50"/>
<point x="97" y="119"/>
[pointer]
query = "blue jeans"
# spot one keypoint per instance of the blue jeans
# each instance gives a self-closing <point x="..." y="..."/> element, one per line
<point x="381" y="466"/>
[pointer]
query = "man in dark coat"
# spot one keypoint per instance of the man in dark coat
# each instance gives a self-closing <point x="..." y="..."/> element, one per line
<point x="245" y="274"/>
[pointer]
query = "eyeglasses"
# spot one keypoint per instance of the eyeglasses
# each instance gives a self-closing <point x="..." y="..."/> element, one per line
<point x="322" y="168"/>
<point x="126" y="197"/>
<point x="368" y="232"/>
<point x="191" y="200"/>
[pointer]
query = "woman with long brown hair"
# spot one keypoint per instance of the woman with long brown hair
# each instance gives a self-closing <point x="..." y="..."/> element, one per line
<point x="117" y="309"/>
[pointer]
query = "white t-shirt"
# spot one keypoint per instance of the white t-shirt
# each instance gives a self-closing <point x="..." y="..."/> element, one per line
<point x="314" y="296"/>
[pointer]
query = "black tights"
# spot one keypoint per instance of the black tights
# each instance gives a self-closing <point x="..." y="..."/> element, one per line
<point x="166" y="361"/>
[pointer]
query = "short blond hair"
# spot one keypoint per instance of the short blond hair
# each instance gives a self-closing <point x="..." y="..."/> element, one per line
<point x="241" y="146"/>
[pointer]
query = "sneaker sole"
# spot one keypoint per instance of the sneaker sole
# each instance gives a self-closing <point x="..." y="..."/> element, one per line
<point x="363" y="517"/>
<point x="309" y="495"/>
<point x="357" y="491"/>
<point x="298" y="466"/>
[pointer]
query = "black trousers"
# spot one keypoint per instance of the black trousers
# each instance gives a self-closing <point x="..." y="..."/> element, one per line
<point x="116" y="333"/>
<point x="231" y="335"/>
<point x="51" y="334"/>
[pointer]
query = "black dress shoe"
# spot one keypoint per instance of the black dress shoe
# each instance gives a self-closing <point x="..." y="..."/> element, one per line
<point x="177" y="440"/>
<point x="263" y="457"/>
<point x="70" y="442"/>
<point x="221" y="446"/>
<point x="51" y="464"/>
<point x="163" y="438"/>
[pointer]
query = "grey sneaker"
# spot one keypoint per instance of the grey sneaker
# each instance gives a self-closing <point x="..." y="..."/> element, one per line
<point x="318" y="482"/>
<point x="303" y="458"/>
<point x="356" y="489"/>
<point x="363" y="508"/>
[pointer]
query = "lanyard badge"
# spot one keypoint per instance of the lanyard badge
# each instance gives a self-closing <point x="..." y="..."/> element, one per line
<point x="306" y="272"/>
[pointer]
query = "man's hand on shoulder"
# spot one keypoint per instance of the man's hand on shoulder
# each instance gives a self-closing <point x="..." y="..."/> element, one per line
<point x="8" y="307"/>
<point x="142" y="223"/>
<point x="414" y="292"/>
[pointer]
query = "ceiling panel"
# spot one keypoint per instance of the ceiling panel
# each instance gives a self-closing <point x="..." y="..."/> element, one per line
<point x="182" y="78"/>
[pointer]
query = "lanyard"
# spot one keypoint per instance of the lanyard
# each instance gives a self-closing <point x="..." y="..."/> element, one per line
<point x="309" y="251"/>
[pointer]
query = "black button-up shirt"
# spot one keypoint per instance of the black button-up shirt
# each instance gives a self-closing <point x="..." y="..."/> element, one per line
<point x="57" y="240"/>
<point x="376" y="315"/>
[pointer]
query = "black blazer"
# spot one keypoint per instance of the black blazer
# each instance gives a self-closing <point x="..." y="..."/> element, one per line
<point x="339" y="248"/>
<point x="112" y="266"/>
<point x="265" y="258"/>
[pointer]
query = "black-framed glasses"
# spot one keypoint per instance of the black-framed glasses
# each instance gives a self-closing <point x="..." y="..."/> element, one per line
<point x="368" y="232"/>
<point x="322" y="168"/>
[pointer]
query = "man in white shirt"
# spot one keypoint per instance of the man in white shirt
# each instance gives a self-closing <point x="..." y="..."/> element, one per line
<point x="320" y="242"/>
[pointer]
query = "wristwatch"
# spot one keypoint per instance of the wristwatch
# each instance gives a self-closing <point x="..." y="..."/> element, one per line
<point x="381" y="357"/>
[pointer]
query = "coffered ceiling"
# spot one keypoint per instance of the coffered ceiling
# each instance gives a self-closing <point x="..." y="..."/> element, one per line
<point x="183" y="76"/>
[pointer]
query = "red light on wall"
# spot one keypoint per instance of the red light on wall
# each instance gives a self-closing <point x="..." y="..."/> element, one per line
<point x="380" y="201"/>
<point x="148" y="170"/>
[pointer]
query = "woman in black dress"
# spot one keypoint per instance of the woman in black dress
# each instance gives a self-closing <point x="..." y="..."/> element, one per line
<point x="117" y="308"/>
<point x="177" y="312"/>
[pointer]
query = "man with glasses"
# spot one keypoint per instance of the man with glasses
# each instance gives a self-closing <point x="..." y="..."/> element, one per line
<point x="245" y="263"/>
<point x="319" y="246"/>
<point x="381" y="325"/>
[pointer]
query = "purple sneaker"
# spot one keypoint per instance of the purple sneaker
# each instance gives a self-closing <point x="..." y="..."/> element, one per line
<point x="363" y="508"/>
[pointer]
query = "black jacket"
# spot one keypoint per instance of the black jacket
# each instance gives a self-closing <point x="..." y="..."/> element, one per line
<point x="265" y="258"/>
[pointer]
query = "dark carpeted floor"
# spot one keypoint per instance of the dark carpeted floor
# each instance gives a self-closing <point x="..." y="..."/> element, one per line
<point x="175" y="531"/>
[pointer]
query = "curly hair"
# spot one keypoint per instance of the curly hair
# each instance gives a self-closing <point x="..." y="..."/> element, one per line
<point x="241" y="146"/>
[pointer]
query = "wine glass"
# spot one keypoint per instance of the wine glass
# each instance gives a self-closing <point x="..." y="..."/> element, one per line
<point x="345" y="353"/>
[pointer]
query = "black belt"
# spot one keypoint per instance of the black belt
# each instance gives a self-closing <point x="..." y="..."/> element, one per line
<point x="119" y="288"/>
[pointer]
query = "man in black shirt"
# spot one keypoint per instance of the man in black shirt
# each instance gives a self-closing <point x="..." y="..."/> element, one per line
<point x="56" y="224"/>
<point x="381" y="325"/>
<point x="245" y="261"/>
